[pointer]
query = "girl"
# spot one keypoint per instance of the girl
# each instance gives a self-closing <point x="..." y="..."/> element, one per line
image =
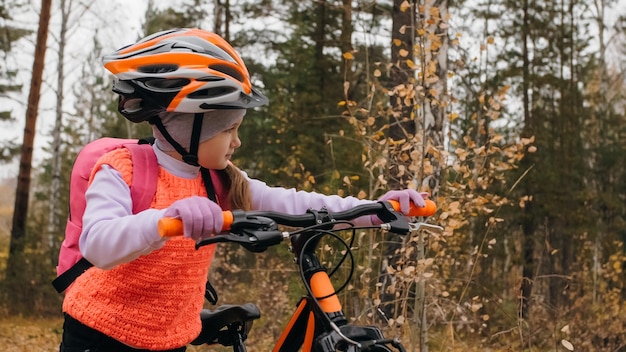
<point x="146" y="292"/>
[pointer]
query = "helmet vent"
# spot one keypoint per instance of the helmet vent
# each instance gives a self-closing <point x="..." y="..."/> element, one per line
<point x="227" y="70"/>
<point x="167" y="83"/>
<point x="161" y="68"/>
<point x="211" y="92"/>
<point x="210" y="79"/>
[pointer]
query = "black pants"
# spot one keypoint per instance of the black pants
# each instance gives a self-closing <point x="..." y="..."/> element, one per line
<point x="81" y="338"/>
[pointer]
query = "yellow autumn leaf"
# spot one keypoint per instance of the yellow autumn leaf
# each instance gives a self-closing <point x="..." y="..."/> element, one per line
<point x="568" y="345"/>
<point x="348" y="56"/>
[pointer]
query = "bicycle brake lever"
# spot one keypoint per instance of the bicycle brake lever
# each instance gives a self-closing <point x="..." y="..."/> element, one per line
<point x="259" y="241"/>
<point x="254" y="241"/>
<point x="400" y="226"/>
<point x="254" y="233"/>
<point x="428" y="227"/>
<point x="413" y="227"/>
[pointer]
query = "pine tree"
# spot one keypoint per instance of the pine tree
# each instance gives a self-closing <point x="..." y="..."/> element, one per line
<point x="9" y="34"/>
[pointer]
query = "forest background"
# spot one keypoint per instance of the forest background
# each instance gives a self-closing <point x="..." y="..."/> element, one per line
<point x="511" y="113"/>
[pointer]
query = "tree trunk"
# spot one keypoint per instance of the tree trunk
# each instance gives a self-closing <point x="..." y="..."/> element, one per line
<point x="402" y="77"/>
<point x="528" y="226"/>
<point x="222" y="18"/>
<point x="435" y="87"/>
<point x="346" y="48"/>
<point x="415" y="128"/>
<point x="22" y="193"/>
<point x="55" y="186"/>
<point x="401" y="130"/>
<point x="434" y="82"/>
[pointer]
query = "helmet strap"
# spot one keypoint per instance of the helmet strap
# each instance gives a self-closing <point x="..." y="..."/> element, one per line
<point x="190" y="157"/>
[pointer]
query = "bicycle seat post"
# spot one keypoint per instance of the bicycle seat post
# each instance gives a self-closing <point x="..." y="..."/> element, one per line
<point x="237" y="332"/>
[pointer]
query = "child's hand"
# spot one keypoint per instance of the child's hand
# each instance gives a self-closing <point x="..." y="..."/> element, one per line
<point x="201" y="216"/>
<point x="405" y="197"/>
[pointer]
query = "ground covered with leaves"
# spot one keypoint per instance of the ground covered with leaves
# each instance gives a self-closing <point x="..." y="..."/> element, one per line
<point x="26" y="334"/>
<point x="44" y="335"/>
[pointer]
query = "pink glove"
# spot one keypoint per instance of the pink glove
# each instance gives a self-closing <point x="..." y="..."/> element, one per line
<point x="201" y="216"/>
<point x="405" y="197"/>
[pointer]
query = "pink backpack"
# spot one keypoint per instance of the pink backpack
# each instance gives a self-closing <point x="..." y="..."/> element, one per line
<point x="142" y="190"/>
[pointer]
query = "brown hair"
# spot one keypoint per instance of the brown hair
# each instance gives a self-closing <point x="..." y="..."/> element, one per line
<point x="239" y="192"/>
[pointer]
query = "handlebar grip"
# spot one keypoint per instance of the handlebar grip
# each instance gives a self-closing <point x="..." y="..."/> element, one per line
<point x="171" y="227"/>
<point x="414" y="210"/>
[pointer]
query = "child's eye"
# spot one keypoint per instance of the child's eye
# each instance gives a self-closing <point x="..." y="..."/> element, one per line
<point x="231" y="130"/>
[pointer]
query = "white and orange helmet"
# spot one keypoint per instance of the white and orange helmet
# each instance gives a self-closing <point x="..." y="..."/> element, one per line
<point x="180" y="70"/>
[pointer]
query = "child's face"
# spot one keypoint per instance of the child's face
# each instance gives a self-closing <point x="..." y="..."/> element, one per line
<point x="214" y="153"/>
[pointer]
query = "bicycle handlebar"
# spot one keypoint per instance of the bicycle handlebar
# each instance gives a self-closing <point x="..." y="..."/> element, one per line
<point x="170" y="227"/>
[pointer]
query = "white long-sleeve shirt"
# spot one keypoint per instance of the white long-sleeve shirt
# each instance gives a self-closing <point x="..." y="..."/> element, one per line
<point x="113" y="235"/>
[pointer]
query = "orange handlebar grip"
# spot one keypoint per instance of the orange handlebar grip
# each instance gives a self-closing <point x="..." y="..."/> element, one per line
<point x="228" y="219"/>
<point x="171" y="227"/>
<point x="428" y="210"/>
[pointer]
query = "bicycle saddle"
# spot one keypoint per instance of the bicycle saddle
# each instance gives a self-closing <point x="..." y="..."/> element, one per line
<point x="214" y="320"/>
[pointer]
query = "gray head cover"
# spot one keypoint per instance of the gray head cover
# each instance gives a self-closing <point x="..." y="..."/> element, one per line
<point x="179" y="126"/>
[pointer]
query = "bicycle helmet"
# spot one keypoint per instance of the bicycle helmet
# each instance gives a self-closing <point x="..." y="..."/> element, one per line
<point x="180" y="70"/>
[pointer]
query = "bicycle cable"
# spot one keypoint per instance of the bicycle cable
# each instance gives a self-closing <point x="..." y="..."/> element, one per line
<point x="320" y="233"/>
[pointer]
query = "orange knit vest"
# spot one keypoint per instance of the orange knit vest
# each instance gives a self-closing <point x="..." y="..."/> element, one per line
<point x="153" y="302"/>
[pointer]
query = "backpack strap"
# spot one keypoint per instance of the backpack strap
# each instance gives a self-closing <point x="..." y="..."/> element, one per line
<point x="63" y="281"/>
<point x="145" y="173"/>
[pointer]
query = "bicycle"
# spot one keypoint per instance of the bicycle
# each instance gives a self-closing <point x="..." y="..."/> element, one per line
<point x="318" y="323"/>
